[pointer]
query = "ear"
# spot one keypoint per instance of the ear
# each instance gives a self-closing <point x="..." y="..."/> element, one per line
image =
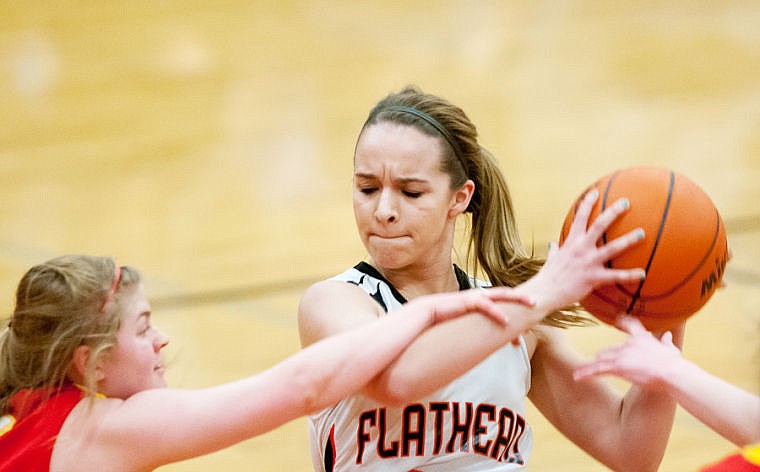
<point x="461" y="197"/>
<point x="79" y="363"/>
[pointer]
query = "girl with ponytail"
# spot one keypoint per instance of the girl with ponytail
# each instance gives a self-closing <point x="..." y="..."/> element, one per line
<point x="455" y="398"/>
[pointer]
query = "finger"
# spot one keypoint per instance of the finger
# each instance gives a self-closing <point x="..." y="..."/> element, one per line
<point x="667" y="339"/>
<point x="490" y="309"/>
<point x="620" y="276"/>
<point x="607" y="217"/>
<point x="483" y="300"/>
<point x="623" y="276"/>
<point x="591" y="369"/>
<point x="507" y="294"/>
<point x="580" y="221"/>
<point x="610" y="355"/>
<point x="451" y="305"/>
<point x="618" y="245"/>
<point x="582" y="373"/>
<point x="630" y="324"/>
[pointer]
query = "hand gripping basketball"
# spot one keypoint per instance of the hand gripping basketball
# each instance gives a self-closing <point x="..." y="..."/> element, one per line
<point x="684" y="253"/>
<point x="574" y="268"/>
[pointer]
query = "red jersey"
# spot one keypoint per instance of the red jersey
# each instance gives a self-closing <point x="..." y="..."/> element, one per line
<point x="31" y="426"/>
<point x="747" y="460"/>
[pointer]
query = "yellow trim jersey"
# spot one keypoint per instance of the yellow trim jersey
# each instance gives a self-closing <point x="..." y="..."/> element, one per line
<point x="476" y="423"/>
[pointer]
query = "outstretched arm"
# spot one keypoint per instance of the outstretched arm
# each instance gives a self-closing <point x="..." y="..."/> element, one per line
<point x="159" y="426"/>
<point x="658" y="365"/>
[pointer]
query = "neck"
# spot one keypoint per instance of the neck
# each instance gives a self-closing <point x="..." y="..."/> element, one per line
<point x="413" y="282"/>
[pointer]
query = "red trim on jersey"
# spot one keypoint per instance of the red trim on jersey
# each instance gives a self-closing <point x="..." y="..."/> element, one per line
<point x="330" y="454"/>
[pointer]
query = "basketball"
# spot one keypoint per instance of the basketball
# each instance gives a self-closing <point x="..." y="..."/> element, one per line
<point x="684" y="251"/>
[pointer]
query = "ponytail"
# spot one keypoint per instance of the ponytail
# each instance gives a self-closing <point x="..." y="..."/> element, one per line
<point x="494" y="247"/>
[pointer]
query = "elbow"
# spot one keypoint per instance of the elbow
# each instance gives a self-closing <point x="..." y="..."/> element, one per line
<point x="745" y="438"/>
<point x="395" y="391"/>
<point x="311" y="401"/>
<point x="638" y="463"/>
<point x="625" y="456"/>
<point x="646" y="468"/>
<point x="306" y="391"/>
<point x="392" y="397"/>
<point x="640" y="467"/>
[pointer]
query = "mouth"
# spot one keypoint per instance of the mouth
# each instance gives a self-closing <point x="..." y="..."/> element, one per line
<point x="387" y="237"/>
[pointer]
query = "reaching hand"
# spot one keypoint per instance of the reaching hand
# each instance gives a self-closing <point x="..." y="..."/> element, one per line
<point x="642" y="359"/>
<point x="445" y="306"/>
<point x="573" y="270"/>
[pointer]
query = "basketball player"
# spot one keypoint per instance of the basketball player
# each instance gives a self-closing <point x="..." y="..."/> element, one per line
<point x="658" y="366"/>
<point x="81" y="376"/>
<point x="455" y="399"/>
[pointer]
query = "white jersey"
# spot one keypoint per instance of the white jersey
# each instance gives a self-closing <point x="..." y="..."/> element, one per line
<point x="476" y="423"/>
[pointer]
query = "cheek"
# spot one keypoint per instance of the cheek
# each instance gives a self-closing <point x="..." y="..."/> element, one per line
<point x="361" y="211"/>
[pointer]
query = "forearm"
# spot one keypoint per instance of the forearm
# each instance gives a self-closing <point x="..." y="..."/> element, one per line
<point x="339" y="365"/>
<point x="645" y="423"/>
<point x="730" y="411"/>
<point x="195" y="422"/>
<point x="624" y="432"/>
<point x="647" y="415"/>
<point x="446" y="351"/>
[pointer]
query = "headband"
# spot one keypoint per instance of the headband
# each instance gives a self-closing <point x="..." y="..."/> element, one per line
<point x="116" y="279"/>
<point x="435" y="124"/>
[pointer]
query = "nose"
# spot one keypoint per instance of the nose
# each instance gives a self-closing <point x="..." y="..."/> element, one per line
<point x="160" y="341"/>
<point x="386" y="210"/>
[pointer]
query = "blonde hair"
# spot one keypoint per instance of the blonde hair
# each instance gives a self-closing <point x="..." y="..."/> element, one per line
<point x="494" y="247"/>
<point x="61" y="304"/>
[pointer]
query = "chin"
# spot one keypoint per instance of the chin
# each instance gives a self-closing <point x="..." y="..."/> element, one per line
<point x="160" y="382"/>
<point x="389" y="263"/>
<point x="388" y="257"/>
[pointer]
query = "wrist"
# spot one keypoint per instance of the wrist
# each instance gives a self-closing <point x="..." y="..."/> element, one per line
<point x="426" y="312"/>
<point x="544" y="299"/>
<point x="671" y="373"/>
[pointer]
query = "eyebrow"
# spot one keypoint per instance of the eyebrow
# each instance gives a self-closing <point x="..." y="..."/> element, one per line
<point x="402" y="180"/>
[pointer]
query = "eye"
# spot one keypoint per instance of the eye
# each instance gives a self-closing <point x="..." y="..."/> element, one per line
<point x="367" y="190"/>
<point x="411" y="194"/>
<point x="144" y="328"/>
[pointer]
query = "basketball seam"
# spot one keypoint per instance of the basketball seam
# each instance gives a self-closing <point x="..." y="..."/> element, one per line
<point x="663" y="219"/>
<point x="688" y="277"/>
<point x="604" y="207"/>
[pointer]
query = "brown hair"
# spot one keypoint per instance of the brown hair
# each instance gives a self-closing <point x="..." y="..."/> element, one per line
<point x="494" y="245"/>
<point x="61" y="304"/>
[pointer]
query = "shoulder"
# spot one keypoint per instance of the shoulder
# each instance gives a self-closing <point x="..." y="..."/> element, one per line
<point x="327" y="292"/>
<point x="91" y="411"/>
<point x="343" y="284"/>
<point x="86" y="432"/>
<point x="332" y="306"/>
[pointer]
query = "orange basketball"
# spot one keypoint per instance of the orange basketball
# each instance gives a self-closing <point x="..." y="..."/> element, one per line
<point x="684" y="251"/>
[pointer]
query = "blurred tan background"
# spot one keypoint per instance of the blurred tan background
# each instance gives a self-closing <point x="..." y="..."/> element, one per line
<point x="210" y="143"/>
